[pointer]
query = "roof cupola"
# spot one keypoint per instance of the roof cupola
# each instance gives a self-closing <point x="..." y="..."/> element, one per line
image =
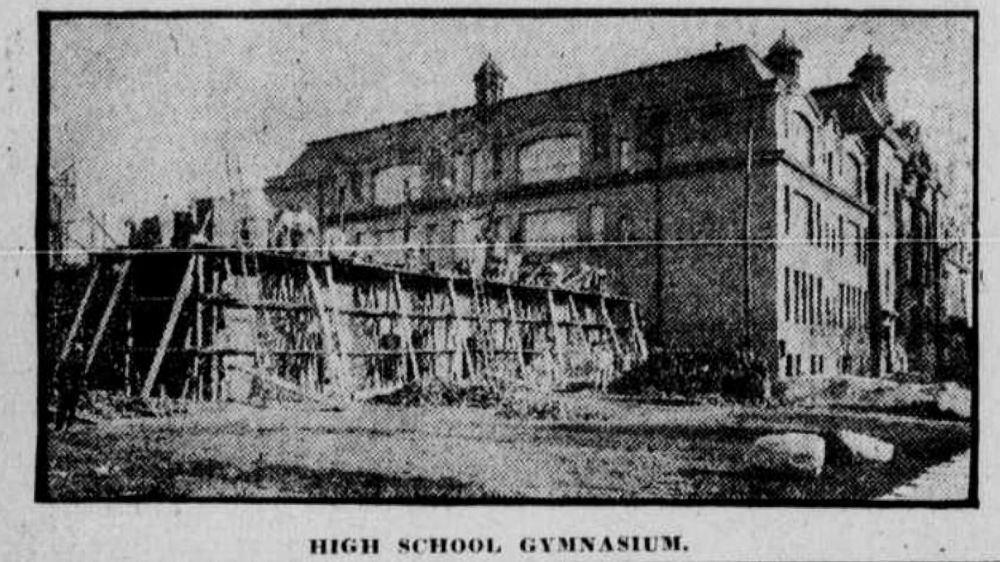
<point x="783" y="58"/>
<point x="870" y="72"/>
<point x="489" y="81"/>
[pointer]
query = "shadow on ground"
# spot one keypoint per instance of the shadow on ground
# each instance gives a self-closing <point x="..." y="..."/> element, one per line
<point x="690" y="457"/>
<point x="114" y="470"/>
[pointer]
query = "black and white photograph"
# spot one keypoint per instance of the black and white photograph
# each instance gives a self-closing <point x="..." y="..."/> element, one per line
<point x="470" y="257"/>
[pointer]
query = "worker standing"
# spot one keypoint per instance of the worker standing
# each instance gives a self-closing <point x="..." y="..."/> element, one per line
<point x="335" y="242"/>
<point x="165" y="214"/>
<point x="604" y="362"/>
<point x="306" y="230"/>
<point x="496" y="256"/>
<point x="466" y="242"/>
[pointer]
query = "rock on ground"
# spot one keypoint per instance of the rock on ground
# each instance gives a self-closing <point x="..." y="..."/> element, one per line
<point x="865" y="447"/>
<point x="788" y="453"/>
<point x="955" y="400"/>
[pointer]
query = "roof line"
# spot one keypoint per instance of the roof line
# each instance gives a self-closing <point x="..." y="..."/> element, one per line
<point x="839" y="85"/>
<point x="504" y="101"/>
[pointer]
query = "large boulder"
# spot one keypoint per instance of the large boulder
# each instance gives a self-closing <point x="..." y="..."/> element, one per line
<point x="955" y="400"/>
<point x="801" y="454"/>
<point x="858" y="446"/>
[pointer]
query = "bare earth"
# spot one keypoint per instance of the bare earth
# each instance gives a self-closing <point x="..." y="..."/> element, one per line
<point x="643" y="451"/>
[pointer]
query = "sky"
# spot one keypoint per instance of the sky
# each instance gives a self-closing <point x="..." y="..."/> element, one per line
<point x="147" y="108"/>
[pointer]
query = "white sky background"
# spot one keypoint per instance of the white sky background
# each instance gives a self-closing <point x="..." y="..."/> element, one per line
<point x="150" y="107"/>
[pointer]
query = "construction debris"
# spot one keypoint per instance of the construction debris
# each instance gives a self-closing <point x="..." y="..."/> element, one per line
<point x="946" y="400"/>
<point x="115" y="405"/>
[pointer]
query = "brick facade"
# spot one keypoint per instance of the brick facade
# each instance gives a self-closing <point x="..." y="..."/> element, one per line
<point x="650" y="171"/>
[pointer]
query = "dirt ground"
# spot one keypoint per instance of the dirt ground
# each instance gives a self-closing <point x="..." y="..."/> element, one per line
<point x="635" y="451"/>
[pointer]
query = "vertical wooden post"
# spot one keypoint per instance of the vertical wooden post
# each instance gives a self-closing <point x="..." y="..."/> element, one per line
<point x="640" y="340"/>
<point x="610" y="326"/>
<point x="515" y="327"/>
<point x="557" y="338"/>
<point x="467" y="327"/>
<point x="435" y="331"/>
<point x="196" y="337"/>
<point x="454" y="334"/>
<point x="200" y="387"/>
<point x="343" y="330"/>
<point x="214" y="310"/>
<point x="577" y="321"/>
<point x="324" y="324"/>
<point x="168" y="331"/>
<point x="78" y="317"/>
<point x="129" y="340"/>
<point x="405" y="326"/>
<point x="576" y="336"/>
<point x="105" y="317"/>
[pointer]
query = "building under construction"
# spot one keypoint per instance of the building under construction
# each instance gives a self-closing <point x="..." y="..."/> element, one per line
<point x="208" y="322"/>
<point x="739" y="209"/>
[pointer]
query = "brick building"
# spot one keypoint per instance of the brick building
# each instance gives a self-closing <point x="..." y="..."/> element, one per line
<point x="658" y="174"/>
<point x="919" y="299"/>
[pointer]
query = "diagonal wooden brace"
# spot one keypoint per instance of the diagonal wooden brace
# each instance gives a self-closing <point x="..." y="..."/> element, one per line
<point x="168" y="331"/>
<point x="106" y="317"/>
<point x="78" y="317"/>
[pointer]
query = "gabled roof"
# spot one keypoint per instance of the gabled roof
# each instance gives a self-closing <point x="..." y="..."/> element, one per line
<point x="703" y="75"/>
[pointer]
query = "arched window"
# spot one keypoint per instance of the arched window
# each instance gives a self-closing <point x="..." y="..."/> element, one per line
<point x="804" y="140"/>
<point x="854" y="177"/>
<point x="397" y="184"/>
<point x="549" y="159"/>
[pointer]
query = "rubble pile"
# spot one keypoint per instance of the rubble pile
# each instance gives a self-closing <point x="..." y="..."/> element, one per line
<point x="438" y="394"/>
<point x="941" y="400"/>
<point x="710" y="376"/>
<point x="522" y="405"/>
<point x="115" y="405"/>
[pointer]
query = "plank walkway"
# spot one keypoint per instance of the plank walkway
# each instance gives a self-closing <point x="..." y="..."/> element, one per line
<point x="946" y="481"/>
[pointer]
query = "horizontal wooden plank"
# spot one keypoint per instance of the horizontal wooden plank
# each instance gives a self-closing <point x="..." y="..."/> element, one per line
<point x="231" y="351"/>
<point x="269" y="259"/>
<point x="377" y="391"/>
<point x="260" y="304"/>
<point x="316" y="352"/>
<point x="151" y="300"/>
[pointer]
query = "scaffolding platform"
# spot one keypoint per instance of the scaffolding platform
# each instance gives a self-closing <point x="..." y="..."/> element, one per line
<point x="211" y="323"/>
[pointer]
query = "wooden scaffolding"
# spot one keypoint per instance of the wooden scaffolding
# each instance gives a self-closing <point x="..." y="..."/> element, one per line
<point x="208" y="323"/>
